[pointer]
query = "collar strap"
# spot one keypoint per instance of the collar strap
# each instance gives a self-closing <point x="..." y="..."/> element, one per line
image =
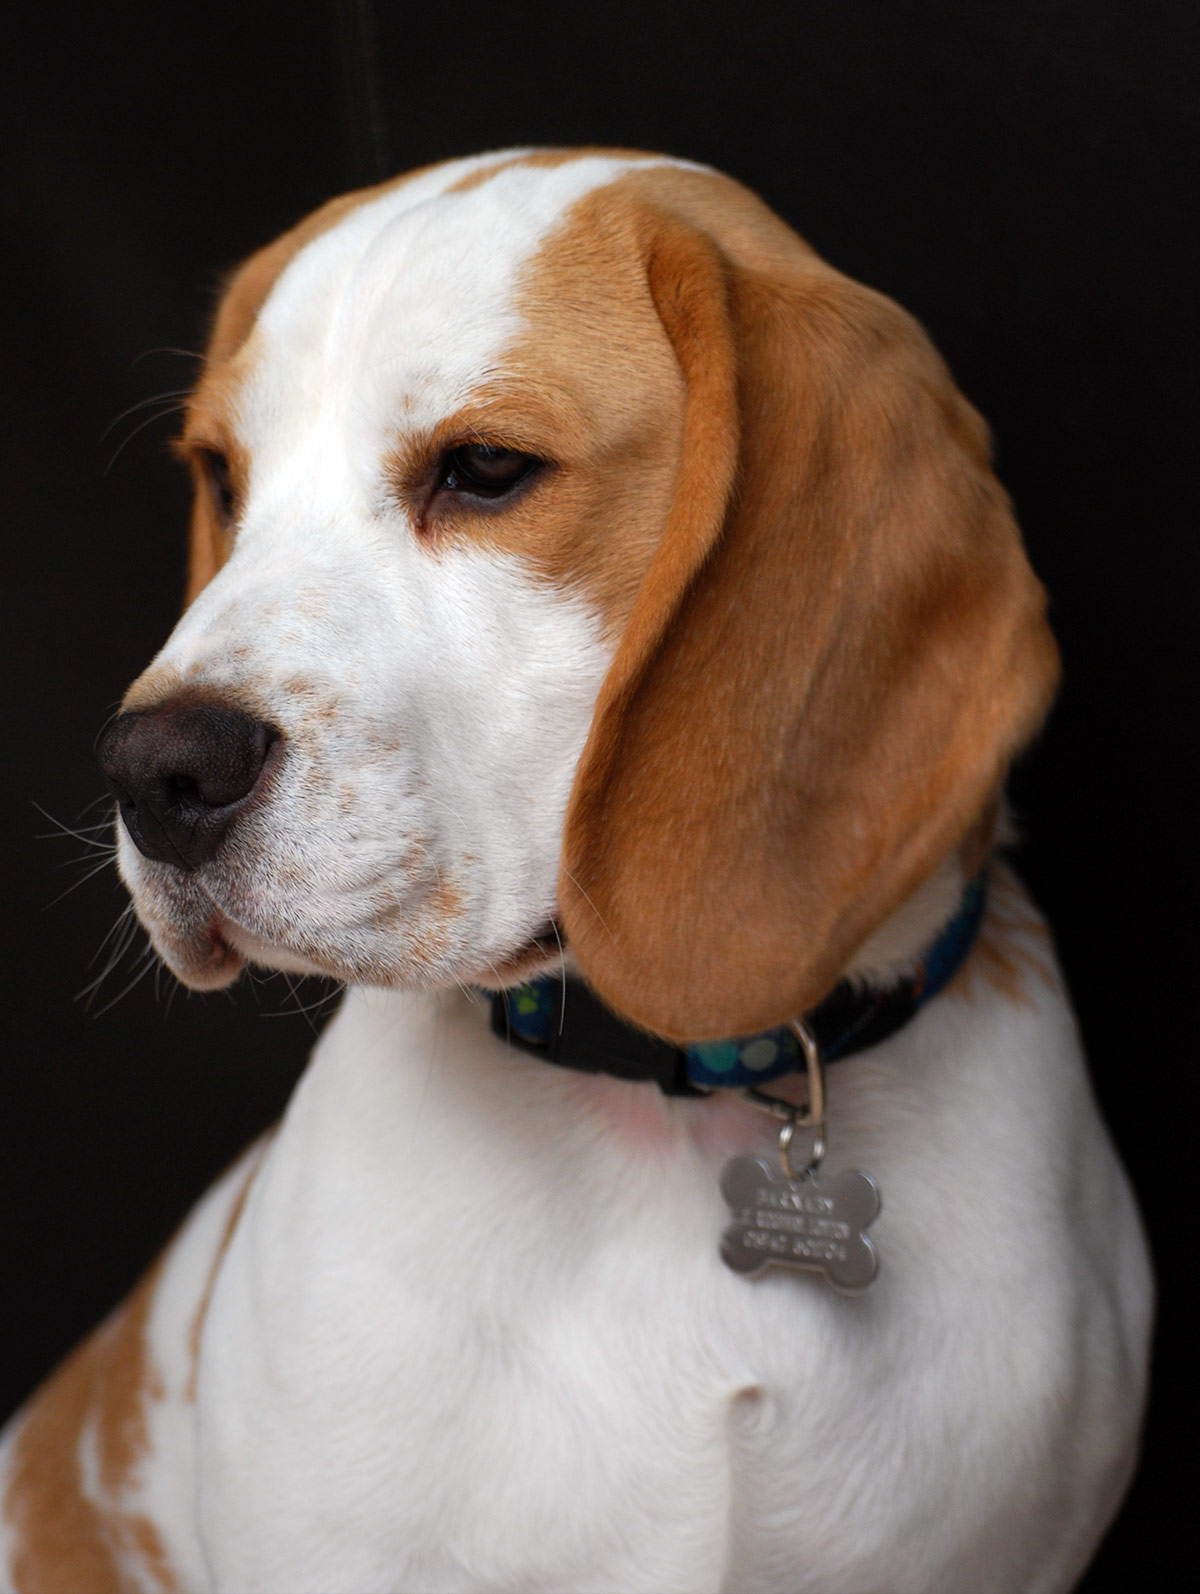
<point x="563" y="1022"/>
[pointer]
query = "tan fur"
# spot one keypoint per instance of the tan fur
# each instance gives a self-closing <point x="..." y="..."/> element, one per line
<point x="861" y="545"/>
<point x="979" y="843"/>
<point x="594" y="387"/>
<point x="66" y="1540"/>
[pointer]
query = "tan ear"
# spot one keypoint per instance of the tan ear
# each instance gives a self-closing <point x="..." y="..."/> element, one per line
<point x="837" y="649"/>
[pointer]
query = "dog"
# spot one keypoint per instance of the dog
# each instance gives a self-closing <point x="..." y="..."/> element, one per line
<point x="597" y="599"/>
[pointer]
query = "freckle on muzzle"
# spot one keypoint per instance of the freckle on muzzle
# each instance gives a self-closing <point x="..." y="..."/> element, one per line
<point x="181" y="774"/>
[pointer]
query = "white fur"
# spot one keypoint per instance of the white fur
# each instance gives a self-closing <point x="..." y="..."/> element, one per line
<point x="472" y="1331"/>
<point x="434" y="709"/>
<point x="510" y="1357"/>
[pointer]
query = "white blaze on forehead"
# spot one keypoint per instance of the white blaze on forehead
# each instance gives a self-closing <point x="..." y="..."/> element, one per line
<point x="391" y="318"/>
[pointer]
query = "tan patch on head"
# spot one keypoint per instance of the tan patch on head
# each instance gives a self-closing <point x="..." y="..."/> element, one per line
<point x="65" y="1539"/>
<point x="593" y="388"/>
<point x="597" y="384"/>
<point x="208" y="430"/>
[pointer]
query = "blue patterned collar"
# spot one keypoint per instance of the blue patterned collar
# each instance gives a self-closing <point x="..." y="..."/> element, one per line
<point x="562" y="1022"/>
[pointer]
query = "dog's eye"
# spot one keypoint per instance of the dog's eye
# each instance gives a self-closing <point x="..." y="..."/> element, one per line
<point x="220" y="483"/>
<point x="483" y="470"/>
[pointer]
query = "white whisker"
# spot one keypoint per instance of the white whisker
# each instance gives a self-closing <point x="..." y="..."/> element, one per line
<point x="184" y="354"/>
<point x="171" y="409"/>
<point x="149" y="958"/>
<point x="89" y="874"/>
<point x="157" y="398"/>
<point x="587" y="899"/>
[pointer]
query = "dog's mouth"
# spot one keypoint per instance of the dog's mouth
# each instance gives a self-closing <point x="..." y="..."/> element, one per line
<point x="208" y="941"/>
<point x="229" y="947"/>
<point x="204" y="957"/>
<point x="242" y="946"/>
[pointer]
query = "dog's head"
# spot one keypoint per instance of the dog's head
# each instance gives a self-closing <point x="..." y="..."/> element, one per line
<point x="572" y="547"/>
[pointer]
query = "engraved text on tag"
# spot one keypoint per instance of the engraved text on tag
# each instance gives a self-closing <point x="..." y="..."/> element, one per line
<point x="808" y="1222"/>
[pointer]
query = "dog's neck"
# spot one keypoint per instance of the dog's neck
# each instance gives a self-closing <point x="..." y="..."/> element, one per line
<point x="891" y="951"/>
<point x="887" y="954"/>
<point x="558" y="1019"/>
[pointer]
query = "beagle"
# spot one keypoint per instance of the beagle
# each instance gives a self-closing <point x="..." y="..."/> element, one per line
<point x="597" y="599"/>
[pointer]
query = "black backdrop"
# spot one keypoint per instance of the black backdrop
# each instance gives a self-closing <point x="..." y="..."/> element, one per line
<point x="1021" y="174"/>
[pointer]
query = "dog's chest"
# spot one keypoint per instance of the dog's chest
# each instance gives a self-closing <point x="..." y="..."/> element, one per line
<point x="492" y="1338"/>
<point x="473" y="1331"/>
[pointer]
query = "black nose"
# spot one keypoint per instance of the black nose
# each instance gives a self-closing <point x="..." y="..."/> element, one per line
<point x="181" y="773"/>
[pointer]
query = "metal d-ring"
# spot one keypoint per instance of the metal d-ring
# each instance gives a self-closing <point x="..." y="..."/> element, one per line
<point x="815" y="1156"/>
<point x="810" y="1116"/>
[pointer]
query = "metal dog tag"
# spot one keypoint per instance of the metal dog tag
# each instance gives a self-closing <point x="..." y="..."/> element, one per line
<point x="802" y="1221"/>
<point x="786" y="1215"/>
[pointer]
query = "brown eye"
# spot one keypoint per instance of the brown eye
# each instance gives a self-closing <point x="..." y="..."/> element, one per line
<point x="220" y="484"/>
<point x="483" y="470"/>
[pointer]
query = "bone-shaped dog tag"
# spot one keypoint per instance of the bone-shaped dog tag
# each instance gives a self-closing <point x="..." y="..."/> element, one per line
<point x="807" y="1222"/>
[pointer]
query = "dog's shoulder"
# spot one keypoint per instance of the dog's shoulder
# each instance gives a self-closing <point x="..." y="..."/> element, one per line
<point x="96" y="1470"/>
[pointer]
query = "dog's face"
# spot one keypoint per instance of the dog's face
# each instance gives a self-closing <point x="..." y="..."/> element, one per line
<point x="439" y="458"/>
<point x="533" y="551"/>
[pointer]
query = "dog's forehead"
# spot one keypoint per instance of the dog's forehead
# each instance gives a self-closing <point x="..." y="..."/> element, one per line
<point x="417" y="292"/>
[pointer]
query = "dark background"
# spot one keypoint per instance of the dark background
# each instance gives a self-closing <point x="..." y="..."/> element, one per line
<point x="1021" y="174"/>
